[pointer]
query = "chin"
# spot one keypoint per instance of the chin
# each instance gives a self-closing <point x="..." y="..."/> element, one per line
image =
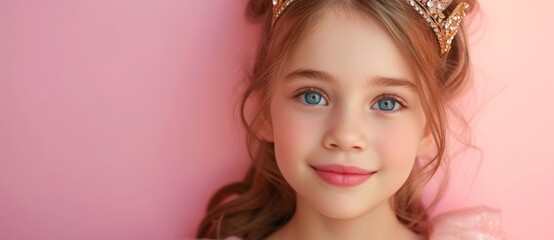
<point x="343" y="213"/>
<point x="343" y="209"/>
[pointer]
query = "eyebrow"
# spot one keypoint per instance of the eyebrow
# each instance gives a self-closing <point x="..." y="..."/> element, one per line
<point x="304" y="73"/>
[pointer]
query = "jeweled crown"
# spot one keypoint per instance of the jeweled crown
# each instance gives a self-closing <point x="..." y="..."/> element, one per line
<point x="431" y="10"/>
<point x="279" y="7"/>
<point x="445" y="28"/>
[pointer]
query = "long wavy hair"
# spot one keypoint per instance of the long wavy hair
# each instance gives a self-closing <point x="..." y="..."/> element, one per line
<point x="263" y="201"/>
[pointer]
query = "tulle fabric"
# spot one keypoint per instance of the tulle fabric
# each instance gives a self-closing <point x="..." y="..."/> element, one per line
<point x="476" y="223"/>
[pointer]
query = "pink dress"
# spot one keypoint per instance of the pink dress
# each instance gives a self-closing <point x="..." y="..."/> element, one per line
<point x="475" y="223"/>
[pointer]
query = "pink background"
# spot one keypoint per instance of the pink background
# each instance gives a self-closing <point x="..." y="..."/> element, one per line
<point x="116" y="116"/>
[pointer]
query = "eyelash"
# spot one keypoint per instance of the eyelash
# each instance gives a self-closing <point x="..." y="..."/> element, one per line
<point x="387" y="95"/>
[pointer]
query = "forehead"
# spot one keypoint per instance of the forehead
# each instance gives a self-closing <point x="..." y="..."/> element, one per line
<point x="349" y="47"/>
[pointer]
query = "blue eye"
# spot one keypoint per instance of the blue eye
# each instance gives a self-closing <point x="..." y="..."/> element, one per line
<point x="387" y="104"/>
<point x="312" y="98"/>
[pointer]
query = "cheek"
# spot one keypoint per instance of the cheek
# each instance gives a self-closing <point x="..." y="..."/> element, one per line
<point x="294" y="132"/>
<point x="396" y="143"/>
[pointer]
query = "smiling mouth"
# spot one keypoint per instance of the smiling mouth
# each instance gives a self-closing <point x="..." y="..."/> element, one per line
<point x="343" y="176"/>
<point x="341" y="169"/>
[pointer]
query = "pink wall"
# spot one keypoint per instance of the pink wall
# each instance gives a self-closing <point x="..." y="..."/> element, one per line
<point x="116" y="116"/>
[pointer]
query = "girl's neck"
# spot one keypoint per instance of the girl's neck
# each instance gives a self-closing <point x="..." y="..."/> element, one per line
<point x="379" y="223"/>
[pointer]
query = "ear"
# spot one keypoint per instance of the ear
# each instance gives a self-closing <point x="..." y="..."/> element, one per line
<point x="266" y="130"/>
<point x="425" y="143"/>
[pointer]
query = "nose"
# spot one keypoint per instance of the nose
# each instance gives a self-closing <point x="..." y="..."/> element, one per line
<point x="347" y="132"/>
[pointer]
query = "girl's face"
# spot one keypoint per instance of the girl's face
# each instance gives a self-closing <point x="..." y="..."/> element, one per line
<point x="346" y="98"/>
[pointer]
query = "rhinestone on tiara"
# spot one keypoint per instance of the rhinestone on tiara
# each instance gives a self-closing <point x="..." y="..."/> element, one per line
<point x="444" y="28"/>
<point x="279" y="7"/>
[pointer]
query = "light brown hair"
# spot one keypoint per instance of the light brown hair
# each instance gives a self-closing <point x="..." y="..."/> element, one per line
<point x="264" y="201"/>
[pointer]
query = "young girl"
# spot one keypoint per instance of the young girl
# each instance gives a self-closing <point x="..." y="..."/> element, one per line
<point x="350" y="123"/>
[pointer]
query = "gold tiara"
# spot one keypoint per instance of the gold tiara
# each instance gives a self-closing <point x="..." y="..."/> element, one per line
<point x="444" y="28"/>
<point x="279" y="7"/>
<point x="431" y="10"/>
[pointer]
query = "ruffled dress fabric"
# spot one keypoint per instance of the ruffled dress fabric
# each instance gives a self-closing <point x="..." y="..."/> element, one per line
<point x="475" y="223"/>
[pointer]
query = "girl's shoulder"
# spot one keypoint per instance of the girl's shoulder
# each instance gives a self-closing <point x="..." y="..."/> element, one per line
<point x="475" y="223"/>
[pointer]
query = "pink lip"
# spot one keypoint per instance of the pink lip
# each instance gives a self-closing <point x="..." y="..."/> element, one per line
<point x="340" y="175"/>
